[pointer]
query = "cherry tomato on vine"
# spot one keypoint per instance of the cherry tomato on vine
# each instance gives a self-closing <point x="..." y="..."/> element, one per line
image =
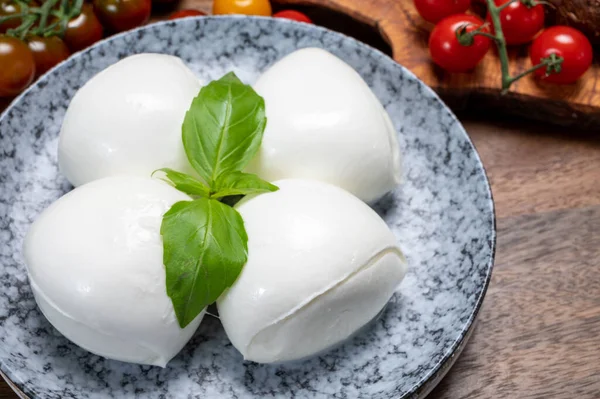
<point x="446" y="50"/>
<point x="436" y="10"/>
<point x="83" y="30"/>
<point x="186" y="13"/>
<point x="520" y="23"/>
<point x="121" y="15"/>
<point x="47" y="52"/>
<point x="248" y="7"/>
<point x="293" y="15"/>
<point x="7" y="8"/>
<point x="565" y="42"/>
<point x="18" y="66"/>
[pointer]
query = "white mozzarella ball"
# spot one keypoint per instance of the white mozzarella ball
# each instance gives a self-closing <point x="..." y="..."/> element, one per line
<point x="325" y="123"/>
<point x="95" y="263"/>
<point x="321" y="265"/>
<point x="127" y="120"/>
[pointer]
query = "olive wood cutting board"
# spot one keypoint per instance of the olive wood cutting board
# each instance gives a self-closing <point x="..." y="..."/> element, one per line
<point x="398" y="22"/>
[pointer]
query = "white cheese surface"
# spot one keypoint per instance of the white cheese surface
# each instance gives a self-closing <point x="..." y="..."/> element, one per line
<point x="95" y="263"/>
<point x="325" y="123"/>
<point x="127" y="120"/>
<point x="321" y="264"/>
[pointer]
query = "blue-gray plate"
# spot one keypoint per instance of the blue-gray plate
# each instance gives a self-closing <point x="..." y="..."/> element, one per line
<point x="442" y="215"/>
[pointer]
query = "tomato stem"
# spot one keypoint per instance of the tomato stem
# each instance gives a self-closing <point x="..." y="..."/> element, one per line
<point x="13" y="16"/>
<point x="540" y="2"/>
<point x="32" y="16"/>
<point x="466" y="38"/>
<point x="75" y="10"/>
<point x="485" y="34"/>
<point x="508" y="3"/>
<point x="494" y="12"/>
<point x="551" y="63"/>
<point x="528" y="3"/>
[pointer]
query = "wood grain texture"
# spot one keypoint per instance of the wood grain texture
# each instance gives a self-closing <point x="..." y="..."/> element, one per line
<point x="6" y="392"/>
<point x="535" y="168"/>
<point x="7" y="387"/>
<point x="407" y="33"/>
<point x="538" y="335"/>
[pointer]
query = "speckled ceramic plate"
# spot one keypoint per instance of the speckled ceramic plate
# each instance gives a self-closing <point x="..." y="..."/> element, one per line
<point x="442" y="215"/>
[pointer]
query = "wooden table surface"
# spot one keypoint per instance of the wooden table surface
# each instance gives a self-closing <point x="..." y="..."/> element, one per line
<point x="538" y="332"/>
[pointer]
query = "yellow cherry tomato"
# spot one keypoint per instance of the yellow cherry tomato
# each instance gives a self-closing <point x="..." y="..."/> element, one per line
<point x="247" y="7"/>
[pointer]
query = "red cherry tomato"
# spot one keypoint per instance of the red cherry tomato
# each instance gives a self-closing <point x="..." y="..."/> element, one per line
<point x="519" y="23"/>
<point x="565" y="42"/>
<point x="293" y="15"/>
<point x="18" y="66"/>
<point x="83" y="30"/>
<point x="448" y="52"/>
<point x="47" y="52"/>
<point x="121" y="15"/>
<point x="186" y="13"/>
<point x="436" y="10"/>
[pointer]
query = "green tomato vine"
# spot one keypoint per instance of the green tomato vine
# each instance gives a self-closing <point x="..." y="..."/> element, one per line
<point x="552" y="63"/>
<point x="49" y="19"/>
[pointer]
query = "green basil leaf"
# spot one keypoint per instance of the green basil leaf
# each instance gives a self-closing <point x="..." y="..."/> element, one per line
<point x="223" y="128"/>
<point x="239" y="183"/>
<point x="205" y="247"/>
<point x="184" y="182"/>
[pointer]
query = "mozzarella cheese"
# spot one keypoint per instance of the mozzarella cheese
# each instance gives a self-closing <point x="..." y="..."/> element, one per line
<point x="321" y="264"/>
<point x="127" y="120"/>
<point x="325" y="123"/>
<point x="95" y="263"/>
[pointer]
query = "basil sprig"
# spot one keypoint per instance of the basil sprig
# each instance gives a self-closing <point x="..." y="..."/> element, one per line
<point x="205" y="242"/>
<point x="223" y="129"/>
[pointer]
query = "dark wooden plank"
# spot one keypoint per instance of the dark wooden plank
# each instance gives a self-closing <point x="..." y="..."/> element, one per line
<point x="536" y="168"/>
<point x="6" y="392"/>
<point x="539" y="329"/>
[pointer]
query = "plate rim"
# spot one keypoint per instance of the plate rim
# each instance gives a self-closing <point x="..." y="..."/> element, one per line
<point x="428" y="382"/>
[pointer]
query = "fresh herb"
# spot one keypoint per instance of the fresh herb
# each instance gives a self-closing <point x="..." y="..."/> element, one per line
<point x="239" y="183"/>
<point x="205" y="248"/>
<point x="186" y="183"/>
<point x="223" y="129"/>
<point x="205" y="242"/>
